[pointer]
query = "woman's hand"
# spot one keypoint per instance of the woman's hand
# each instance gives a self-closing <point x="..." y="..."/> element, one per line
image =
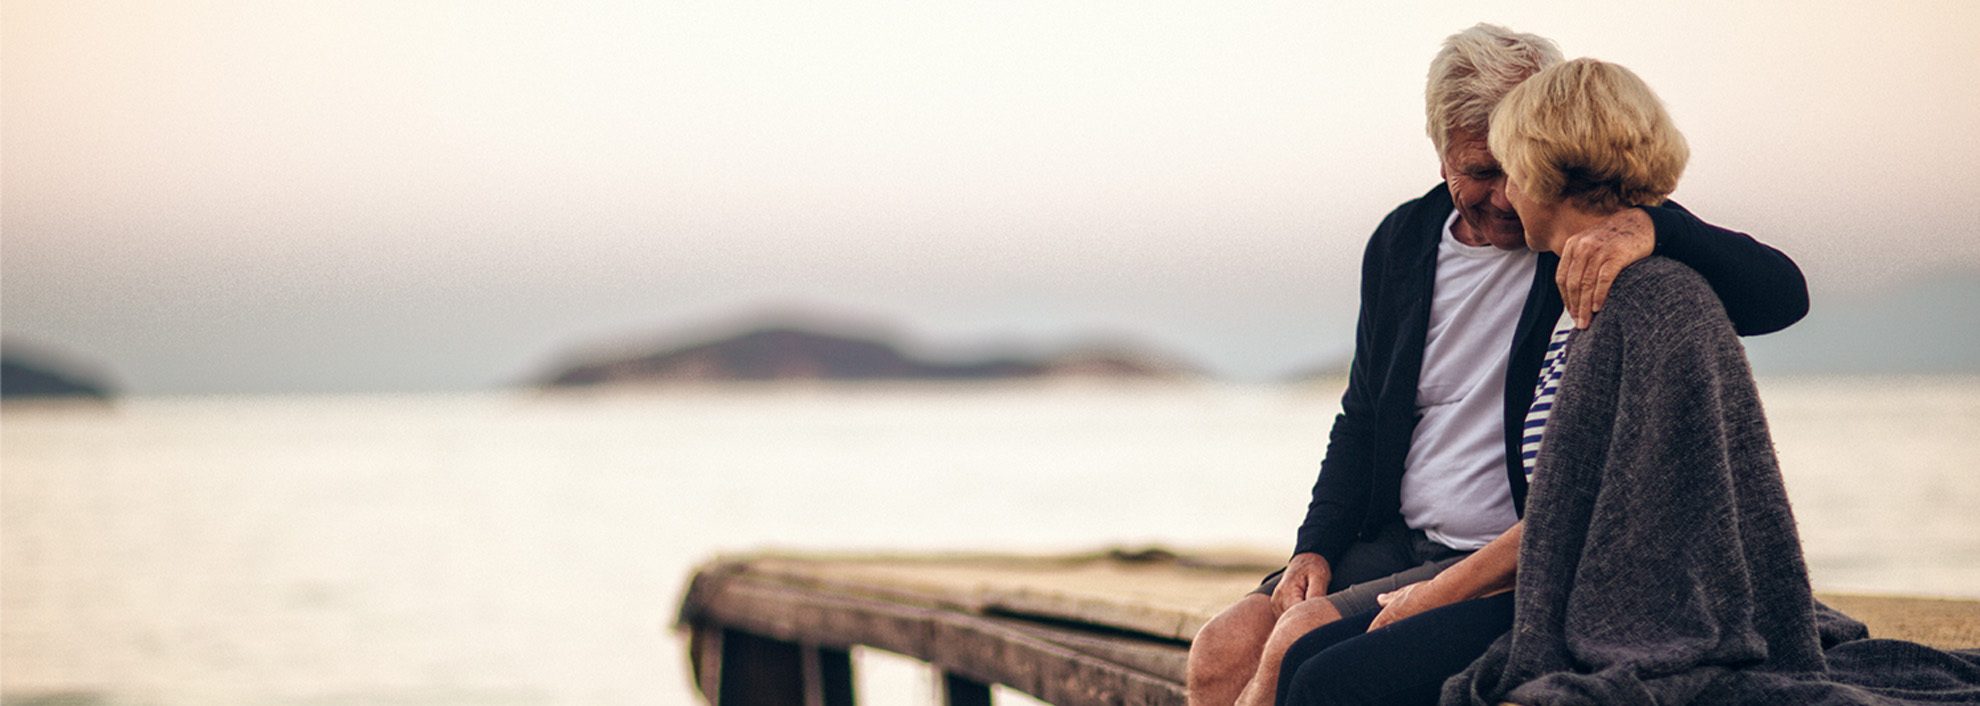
<point x="1488" y="571"/>
<point x="1411" y="600"/>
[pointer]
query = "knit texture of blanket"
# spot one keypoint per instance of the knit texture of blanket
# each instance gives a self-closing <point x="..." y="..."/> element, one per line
<point x="1660" y="563"/>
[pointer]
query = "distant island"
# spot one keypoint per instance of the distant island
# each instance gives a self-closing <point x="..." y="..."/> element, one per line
<point x="790" y="353"/>
<point x="23" y="378"/>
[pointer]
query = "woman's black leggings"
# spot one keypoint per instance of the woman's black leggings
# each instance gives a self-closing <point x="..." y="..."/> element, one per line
<point x="1405" y="663"/>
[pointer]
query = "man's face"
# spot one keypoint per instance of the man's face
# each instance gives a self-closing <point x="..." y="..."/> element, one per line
<point x="1478" y="188"/>
<point x="1533" y="216"/>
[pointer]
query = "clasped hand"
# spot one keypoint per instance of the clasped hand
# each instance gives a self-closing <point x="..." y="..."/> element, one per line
<point x="1591" y="259"/>
<point x="1409" y="601"/>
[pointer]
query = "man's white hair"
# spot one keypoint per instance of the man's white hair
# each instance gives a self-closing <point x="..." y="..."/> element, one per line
<point x="1475" y="70"/>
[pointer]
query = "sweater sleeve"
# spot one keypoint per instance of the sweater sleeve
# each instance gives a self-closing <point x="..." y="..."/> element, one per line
<point x="1340" y="495"/>
<point x="1763" y="291"/>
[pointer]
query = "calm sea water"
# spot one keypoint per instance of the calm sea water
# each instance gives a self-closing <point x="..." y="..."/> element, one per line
<point x="523" y="549"/>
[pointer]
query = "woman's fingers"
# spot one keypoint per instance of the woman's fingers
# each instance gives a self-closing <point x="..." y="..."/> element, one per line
<point x="1381" y="620"/>
<point x="1395" y="595"/>
<point x="1395" y="606"/>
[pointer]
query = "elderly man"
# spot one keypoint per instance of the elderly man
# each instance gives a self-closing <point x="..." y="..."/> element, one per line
<point x="1423" y="464"/>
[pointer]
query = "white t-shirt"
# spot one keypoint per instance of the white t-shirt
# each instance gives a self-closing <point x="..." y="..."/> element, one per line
<point x="1454" y="485"/>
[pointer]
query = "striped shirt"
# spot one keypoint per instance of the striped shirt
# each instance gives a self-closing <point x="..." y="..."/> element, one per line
<point x="1543" y="393"/>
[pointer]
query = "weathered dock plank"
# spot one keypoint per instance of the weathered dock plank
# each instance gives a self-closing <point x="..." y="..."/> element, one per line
<point x="1939" y="622"/>
<point x="976" y="648"/>
<point x="1101" y="628"/>
<point x="1150" y="592"/>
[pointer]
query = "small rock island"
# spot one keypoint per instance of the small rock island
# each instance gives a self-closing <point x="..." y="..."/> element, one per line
<point x="23" y="378"/>
<point x="794" y="353"/>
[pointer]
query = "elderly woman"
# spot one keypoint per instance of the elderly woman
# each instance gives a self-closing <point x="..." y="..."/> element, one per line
<point x="1658" y="560"/>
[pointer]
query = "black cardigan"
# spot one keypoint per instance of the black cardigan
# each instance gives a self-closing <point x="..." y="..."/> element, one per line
<point x="1360" y="483"/>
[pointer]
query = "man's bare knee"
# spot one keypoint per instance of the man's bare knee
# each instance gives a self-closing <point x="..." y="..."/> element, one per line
<point x="1297" y="622"/>
<point x="1225" y="652"/>
<point x="1242" y="628"/>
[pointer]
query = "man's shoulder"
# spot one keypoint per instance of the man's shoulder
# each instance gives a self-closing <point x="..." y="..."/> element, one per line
<point x="1433" y="204"/>
<point x="1410" y="221"/>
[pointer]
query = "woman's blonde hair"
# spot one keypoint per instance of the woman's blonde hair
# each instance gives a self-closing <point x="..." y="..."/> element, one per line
<point x="1474" y="69"/>
<point x="1589" y="132"/>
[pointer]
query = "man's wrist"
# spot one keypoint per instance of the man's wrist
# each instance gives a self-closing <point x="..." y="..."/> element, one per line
<point x="1657" y="230"/>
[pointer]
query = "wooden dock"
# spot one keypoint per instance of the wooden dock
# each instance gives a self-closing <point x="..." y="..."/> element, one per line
<point x="1105" y="628"/>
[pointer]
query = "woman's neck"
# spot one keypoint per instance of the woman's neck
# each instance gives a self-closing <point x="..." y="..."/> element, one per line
<point x="1569" y="221"/>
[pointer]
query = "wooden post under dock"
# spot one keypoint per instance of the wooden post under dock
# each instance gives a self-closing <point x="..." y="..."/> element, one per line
<point x="1097" y="629"/>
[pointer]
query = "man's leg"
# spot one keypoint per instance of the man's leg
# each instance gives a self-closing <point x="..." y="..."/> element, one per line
<point x="1296" y="623"/>
<point x="1225" y="652"/>
<point x="1357" y="600"/>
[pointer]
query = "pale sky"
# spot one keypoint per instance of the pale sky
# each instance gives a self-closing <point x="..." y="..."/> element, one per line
<point x="304" y="196"/>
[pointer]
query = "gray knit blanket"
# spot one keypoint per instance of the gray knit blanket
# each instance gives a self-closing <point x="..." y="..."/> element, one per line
<point x="1660" y="563"/>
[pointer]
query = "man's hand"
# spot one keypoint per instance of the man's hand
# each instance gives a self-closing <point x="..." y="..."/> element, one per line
<point x="1306" y="577"/>
<point x="1591" y="259"/>
<point x="1414" y="599"/>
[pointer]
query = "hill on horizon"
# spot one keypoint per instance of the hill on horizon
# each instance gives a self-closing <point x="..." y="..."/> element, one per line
<point x="37" y="373"/>
<point x="785" y="351"/>
<point x="1925" y="326"/>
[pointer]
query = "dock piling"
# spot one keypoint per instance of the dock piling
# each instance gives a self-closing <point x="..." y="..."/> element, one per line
<point x="962" y="691"/>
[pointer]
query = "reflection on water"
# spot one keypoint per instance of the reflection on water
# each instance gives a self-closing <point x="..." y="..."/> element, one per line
<point x="513" y="549"/>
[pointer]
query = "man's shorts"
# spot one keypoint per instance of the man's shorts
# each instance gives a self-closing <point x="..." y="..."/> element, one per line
<point x="1396" y="557"/>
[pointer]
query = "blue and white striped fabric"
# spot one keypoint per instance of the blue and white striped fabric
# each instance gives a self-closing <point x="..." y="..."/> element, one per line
<point x="1543" y="393"/>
